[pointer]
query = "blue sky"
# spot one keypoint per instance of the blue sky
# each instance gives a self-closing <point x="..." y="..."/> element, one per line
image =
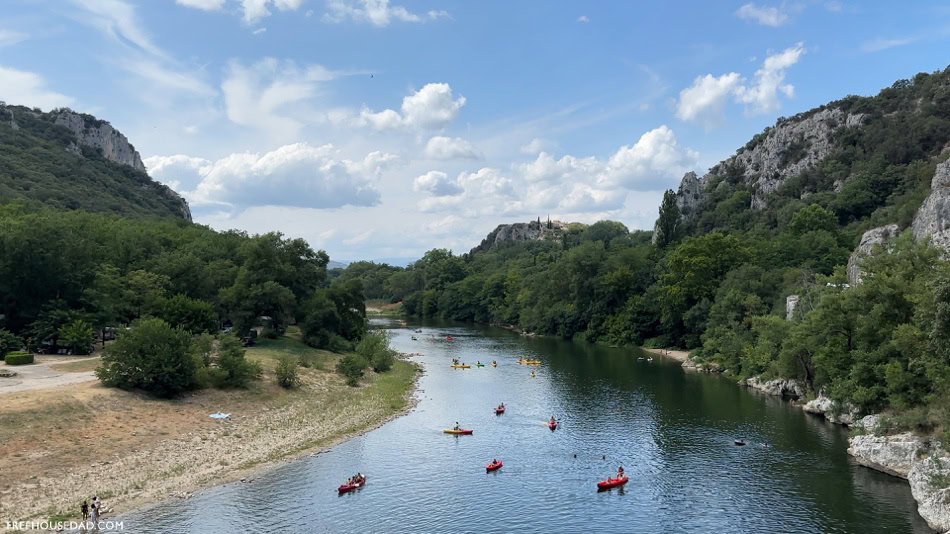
<point x="382" y="129"/>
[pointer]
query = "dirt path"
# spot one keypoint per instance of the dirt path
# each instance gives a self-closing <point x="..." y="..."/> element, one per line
<point x="42" y="375"/>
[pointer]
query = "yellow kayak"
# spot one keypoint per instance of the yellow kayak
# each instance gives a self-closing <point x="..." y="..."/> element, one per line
<point x="493" y="364"/>
<point x="530" y="362"/>
<point x="452" y="431"/>
<point x="462" y="366"/>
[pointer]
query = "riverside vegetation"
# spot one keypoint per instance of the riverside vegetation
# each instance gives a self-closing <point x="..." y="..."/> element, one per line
<point x="726" y="252"/>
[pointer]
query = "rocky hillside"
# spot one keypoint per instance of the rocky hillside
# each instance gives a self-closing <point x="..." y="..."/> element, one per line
<point x="506" y="234"/>
<point x="70" y="160"/>
<point x="868" y="159"/>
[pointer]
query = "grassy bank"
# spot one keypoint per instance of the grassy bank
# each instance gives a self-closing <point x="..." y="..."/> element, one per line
<point x="60" y="446"/>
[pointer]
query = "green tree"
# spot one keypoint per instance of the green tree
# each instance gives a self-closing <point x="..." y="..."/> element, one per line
<point x="8" y="342"/>
<point x="151" y="356"/>
<point x="668" y="224"/>
<point x="195" y="316"/>
<point x="78" y="336"/>
<point x="238" y="370"/>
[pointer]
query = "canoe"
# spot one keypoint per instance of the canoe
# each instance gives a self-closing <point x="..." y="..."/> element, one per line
<point x="453" y="431"/>
<point x="551" y="425"/>
<point x="533" y="362"/>
<point x="492" y="466"/>
<point x="612" y="483"/>
<point x="740" y="442"/>
<point x="462" y="366"/>
<point x="499" y="411"/>
<point x="350" y="487"/>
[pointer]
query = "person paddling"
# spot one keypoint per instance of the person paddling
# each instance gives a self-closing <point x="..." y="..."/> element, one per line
<point x="457" y="427"/>
<point x="620" y="472"/>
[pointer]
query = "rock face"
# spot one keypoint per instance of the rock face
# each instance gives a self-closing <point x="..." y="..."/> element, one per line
<point x="530" y="231"/>
<point x="100" y="135"/>
<point x="933" y="217"/>
<point x="780" y="387"/>
<point x="923" y="463"/>
<point x="772" y="157"/>
<point x="791" y="302"/>
<point x="841" y="414"/>
<point x="875" y="236"/>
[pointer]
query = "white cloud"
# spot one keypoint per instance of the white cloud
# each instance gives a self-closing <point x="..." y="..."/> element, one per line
<point x="547" y="169"/>
<point x="118" y="20"/>
<point x="445" y="148"/>
<point x="10" y="37"/>
<point x="205" y="5"/>
<point x="767" y="16"/>
<point x="650" y="164"/>
<point x="535" y="146"/>
<point x="29" y="89"/>
<point x="431" y="107"/>
<point x="180" y="172"/>
<point x="271" y="94"/>
<point x="876" y="45"/>
<point x="359" y="238"/>
<point x="763" y="97"/>
<point x="254" y="10"/>
<point x="155" y="73"/>
<point x="258" y="31"/>
<point x="296" y="175"/>
<point x="703" y="101"/>
<point x="436" y="183"/>
<point x="375" y="12"/>
<point x="583" y="18"/>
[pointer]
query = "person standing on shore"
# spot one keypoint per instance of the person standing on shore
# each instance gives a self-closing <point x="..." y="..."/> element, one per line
<point x="85" y="510"/>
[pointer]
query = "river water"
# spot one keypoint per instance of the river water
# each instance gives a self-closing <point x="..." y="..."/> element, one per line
<point x="672" y="431"/>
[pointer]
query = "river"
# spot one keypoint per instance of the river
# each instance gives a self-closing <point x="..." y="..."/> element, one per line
<point x="672" y="431"/>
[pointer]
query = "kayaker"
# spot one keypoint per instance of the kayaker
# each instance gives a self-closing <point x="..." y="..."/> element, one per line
<point x="620" y="472"/>
<point x="553" y="422"/>
<point x="457" y="427"/>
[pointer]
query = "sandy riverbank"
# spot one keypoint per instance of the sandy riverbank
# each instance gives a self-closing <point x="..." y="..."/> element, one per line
<point x="678" y="355"/>
<point x="60" y="446"/>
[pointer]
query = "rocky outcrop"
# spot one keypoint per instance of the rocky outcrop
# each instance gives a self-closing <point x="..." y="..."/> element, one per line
<point x="100" y="135"/>
<point x="924" y="463"/>
<point x="530" y="231"/>
<point x="842" y="414"/>
<point x="779" y="387"/>
<point x="871" y="238"/>
<point x="933" y="217"/>
<point x="791" y="302"/>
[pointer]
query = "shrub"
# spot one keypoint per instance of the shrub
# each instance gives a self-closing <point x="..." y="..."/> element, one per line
<point x="374" y="348"/>
<point x="152" y="356"/>
<point x="287" y="373"/>
<point x="8" y="342"/>
<point x="309" y="361"/>
<point x="202" y="348"/>
<point x="19" y="358"/>
<point x="78" y="336"/>
<point x="351" y="366"/>
<point x="238" y="371"/>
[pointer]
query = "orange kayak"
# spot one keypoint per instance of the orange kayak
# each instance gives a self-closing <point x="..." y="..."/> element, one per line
<point x="492" y="466"/>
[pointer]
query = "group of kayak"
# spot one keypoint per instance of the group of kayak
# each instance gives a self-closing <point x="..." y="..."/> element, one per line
<point x="456" y="364"/>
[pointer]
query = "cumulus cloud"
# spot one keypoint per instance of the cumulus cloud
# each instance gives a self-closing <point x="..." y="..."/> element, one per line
<point x="375" y="12"/>
<point x="436" y="183"/>
<point x="583" y="18"/>
<point x="432" y="107"/>
<point x="763" y="97"/>
<point x="566" y="184"/>
<point x="271" y="94"/>
<point x="765" y="15"/>
<point x="297" y="175"/>
<point x="204" y="5"/>
<point x="650" y="163"/>
<point x="703" y="102"/>
<point x="446" y="148"/>
<point x="29" y="89"/>
<point x="255" y="10"/>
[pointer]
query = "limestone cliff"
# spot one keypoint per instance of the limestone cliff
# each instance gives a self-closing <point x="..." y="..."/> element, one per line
<point x="504" y="234"/>
<point x="875" y="237"/>
<point x="99" y="135"/>
<point x="933" y="217"/>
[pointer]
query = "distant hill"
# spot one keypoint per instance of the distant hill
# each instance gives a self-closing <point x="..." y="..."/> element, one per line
<point x="73" y="161"/>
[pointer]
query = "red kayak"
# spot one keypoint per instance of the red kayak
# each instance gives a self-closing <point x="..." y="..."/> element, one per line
<point x="551" y="425"/>
<point x="499" y="411"/>
<point x="612" y="483"/>
<point x="489" y="467"/>
<point x="350" y="487"/>
<point x="448" y="338"/>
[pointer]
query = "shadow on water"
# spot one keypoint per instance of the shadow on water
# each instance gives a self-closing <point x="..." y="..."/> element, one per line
<point x="672" y="431"/>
